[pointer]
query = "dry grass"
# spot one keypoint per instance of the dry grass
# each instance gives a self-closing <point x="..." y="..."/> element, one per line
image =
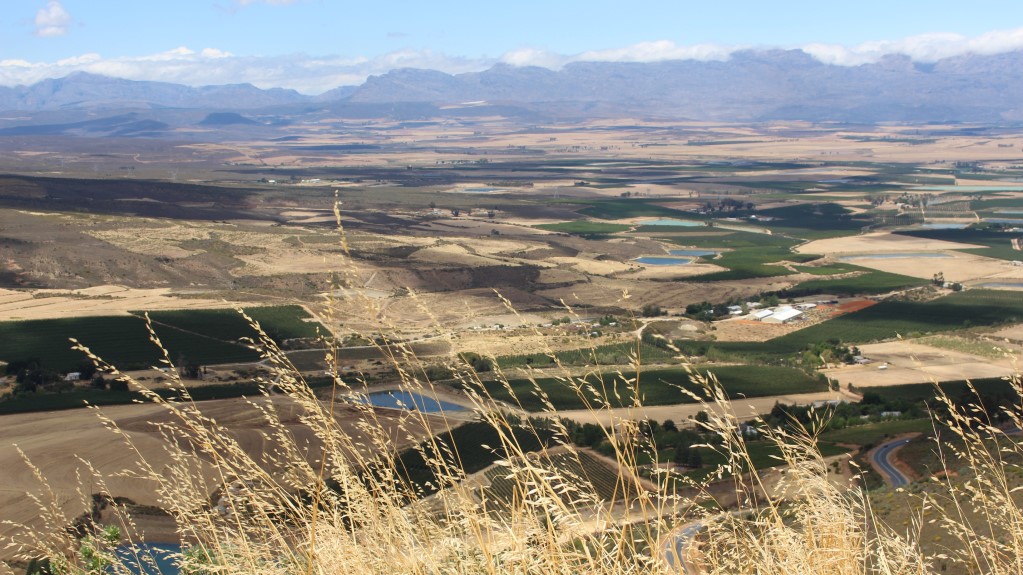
<point x="330" y="501"/>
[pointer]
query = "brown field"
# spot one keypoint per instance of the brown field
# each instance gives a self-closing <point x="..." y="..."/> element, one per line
<point x="408" y="267"/>
<point x="59" y="444"/>
<point x="879" y="242"/>
<point x="912" y="362"/>
<point x="96" y="301"/>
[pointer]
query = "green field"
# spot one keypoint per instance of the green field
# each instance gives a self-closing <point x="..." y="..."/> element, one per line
<point x="874" y="433"/>
<point x="585" y="228"/>
<point x="79" y="397"/>
<point x="279" y="322"/>
<point x="957" y="390"/>
<point x="203" y="337"/>
<point x="890" y="318"/>
<point x="762" y="453"/>
<point x="610" y="354"/>
<point x="886" y="320"/>
<point x="587" y="474"/>
<point x="996" y="244"/>
<point x="823" y="216"/>
<point x="870" y="282"/>
<point x="657" y="387"/>
<point x="749" y="255"/>
<point x="468" y="451"/>
<point x="830" y="270"/>
<point x="616" y="209"/>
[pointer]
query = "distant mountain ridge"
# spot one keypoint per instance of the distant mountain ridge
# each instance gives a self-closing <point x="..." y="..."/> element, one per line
<point x="84" y="90"/>
<point x="749" y="86"/>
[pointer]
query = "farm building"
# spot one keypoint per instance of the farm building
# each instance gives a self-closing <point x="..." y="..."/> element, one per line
<point x="760" y="315"/>
<point x="783" y="315"/>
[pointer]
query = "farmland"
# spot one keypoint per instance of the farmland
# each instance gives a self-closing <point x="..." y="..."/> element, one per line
<point x="656" y="387"/>
<point x="581" y="472"/>
<point x="866" y="282"/>
<point x="201" y="337"/>
<point x="884" y="321"/>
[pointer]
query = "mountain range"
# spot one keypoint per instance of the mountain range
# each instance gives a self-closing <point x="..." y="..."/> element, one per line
<point x="749" y="86"/>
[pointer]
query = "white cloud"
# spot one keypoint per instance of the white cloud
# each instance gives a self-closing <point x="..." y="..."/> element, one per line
<point x="659" y="51"/>
<point x="212" y="66"/>
<point x="52" y="20"/>
<point x="927" y="48"/>
<point x="533" y="57"/>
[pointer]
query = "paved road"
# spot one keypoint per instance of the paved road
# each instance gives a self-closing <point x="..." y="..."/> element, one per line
<point x="675" y="548"/>
<point x="882" y="458"/>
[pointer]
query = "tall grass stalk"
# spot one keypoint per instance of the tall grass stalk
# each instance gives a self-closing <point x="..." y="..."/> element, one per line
<point x="328" y="492"/>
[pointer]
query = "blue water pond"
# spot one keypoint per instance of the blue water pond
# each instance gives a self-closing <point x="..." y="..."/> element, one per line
<point x="150" y="558"/>
<point x="672" y="222"/>
<point x="409" y="400"/>
<point x="663" y="261"/>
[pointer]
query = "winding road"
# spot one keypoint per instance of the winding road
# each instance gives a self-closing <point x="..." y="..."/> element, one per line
<point x="882" y="459"/>
<point x="675" y="547"/>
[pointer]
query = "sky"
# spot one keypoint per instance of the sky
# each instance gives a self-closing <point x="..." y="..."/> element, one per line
<point x="316" y="45"/>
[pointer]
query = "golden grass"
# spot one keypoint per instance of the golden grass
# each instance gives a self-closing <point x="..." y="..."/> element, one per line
<point x="339" y="504"/>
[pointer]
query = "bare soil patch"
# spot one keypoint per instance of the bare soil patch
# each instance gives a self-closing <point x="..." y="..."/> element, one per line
<point x="59" y="443"/>
<point x="910" y="362"/>
<point x="97" y="301"/>
<point x="879" y="242"/>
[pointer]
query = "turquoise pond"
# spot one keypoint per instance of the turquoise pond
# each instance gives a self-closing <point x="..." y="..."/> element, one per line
<point x="410" y="400"/>
<point x="893" y="256"/>
<point x="663" y="261"/>
<point x="479" y="190"/>
<point x="671" y="222"/>
<point x="693" y="253"/>
<point x="149" y="558"/>
<point x="945" y="226"/>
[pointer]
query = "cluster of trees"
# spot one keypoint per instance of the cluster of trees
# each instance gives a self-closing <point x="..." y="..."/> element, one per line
<point x="706" y="311"/>
<point x="32" y="376"/>
<point x="652" y="310"/>
<point x="939" y="280"/>
<point x="823" y="353"/>
<point x="477" y="362"/>
<point x="872" y="408"/>
<point x="728" y="206"/>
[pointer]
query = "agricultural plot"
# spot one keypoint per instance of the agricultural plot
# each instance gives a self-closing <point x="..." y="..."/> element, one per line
<point x="957" y="390"/>
<point x="120" y="340"/>
<point x="888" y="319"/>
<point x="585" y="228"/>
<point x="202" y="337"/>
<point x="279" y="322"/>
<point x="883" y="321"/>
<point x="620" y="209"/>
<point x="656" y="387"/>
<point x="809" y="221"/>
<point x="610" y="354"/>
<point x="997" y="244"/>
<point x="750" y="255"/>
<point x="470" y="447"/>
<point x="585" y="475"/>
<point x="869" y="282"/>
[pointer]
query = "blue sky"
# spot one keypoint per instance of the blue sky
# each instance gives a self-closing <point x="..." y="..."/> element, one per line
<point x="315" y="45"/>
